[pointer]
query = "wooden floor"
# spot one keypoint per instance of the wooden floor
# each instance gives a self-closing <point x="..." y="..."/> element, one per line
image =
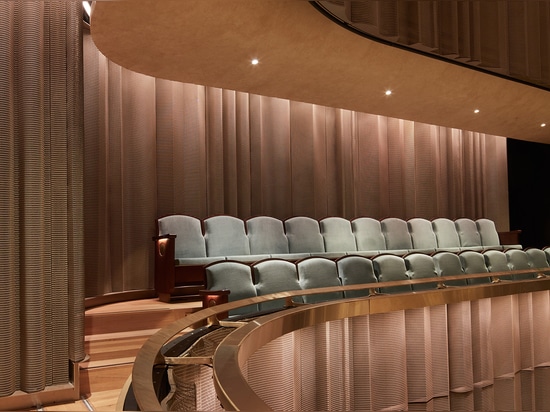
<point x="114" y="334"/>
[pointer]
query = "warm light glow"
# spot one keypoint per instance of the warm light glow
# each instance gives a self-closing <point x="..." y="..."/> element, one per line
<point x="543" y="125"/>
<point x="87" y="7"/>
<point x="255" y="62"/>
<point x="388" y="92"/>
<point x="476" y="111"/>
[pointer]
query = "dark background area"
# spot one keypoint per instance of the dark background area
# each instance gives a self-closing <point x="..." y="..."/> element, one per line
<point x="528" y="191"/>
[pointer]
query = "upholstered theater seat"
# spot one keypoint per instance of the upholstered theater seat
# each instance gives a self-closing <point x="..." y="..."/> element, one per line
<point x="422" y="235"/>
<point x="474" y="262"/>
<point x="225" y="236"/>
<point x="537" y="260"/>
<point x="446" y="234"/>
<point x="368" y="236"/>
<point x="420" y="266"/>
<point x="389" y="268"/>
<point x="304" y="236"/>
<point x="468" y="234"/>
<point x="318" y="272"/>
<point x="519" y="260"/>
<point x="235" y="276"/>
<point x="266" y="236"/>
<point x="497" y="261"/>
<point x="338" y="235"/>
<point x="488" y="233"/>
<point x="190" y="247"/>
<point x="448" y="264"/>
<point x="396" y="233"/>
<point x="272" y="276"/>
<point x="355" y="270"/>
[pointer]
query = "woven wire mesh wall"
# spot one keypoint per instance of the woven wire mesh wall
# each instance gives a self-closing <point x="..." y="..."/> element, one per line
<point x="491" y="354"/>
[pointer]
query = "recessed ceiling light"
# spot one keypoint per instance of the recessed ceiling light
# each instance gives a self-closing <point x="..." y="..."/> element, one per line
<point x="476" y="111"/>
<point x="388" y="92"/>
<point x="254" y="61"/>
<point x="543" y="125"/>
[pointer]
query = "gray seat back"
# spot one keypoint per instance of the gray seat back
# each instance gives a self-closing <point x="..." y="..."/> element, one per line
<point x="488" y="233"/>
<point x="355" y="270"/>
<point x="337" y="235"/>
<point x="318" y="272"/>
<point x="446" y="234"/>
<point x="272" y="276"/>
<point x="235" y="276"/>
<point x="497" y="261"/>
<point x="396" y="233"/>
<point x="468" y="234"/>
<point x="304" y="235"/>
<point x="368" y="235"/>
<point x="266" y="236"/>
<point x="448" y="264"/>
<point x="388" y="268"/>
<point x="537" y="260"/>
<point x="519" y="260"/>
<point x="420" y="266"/>
<point x="189" y="238"/>
<point x="422" y="235"/>
<point x="474" y="262"/>
<point x="225" y="236"/>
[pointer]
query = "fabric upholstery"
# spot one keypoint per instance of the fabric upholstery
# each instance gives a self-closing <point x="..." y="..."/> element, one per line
<point x="422" y="235"/>
<point x="468" y="234"/>
<point x="389" y="268"/>
<point x="488" y="233"/>
<point x="304" y="235"/>
<point x="355" y="270"/>
<point x="189" y="238"/>
<point x="497" y="261"/>
<point x="272" y="276"/>
<point x="537" y="260"/>
<point x="368" y="234"/>
<point x="225" y="236"/>
<point x="396" y="233"/>
<point x="519" y="260"/>
<point x="337" y="235"/>
<point x="419" y="266"/>
<point x="318" y="272"/>
<point x="448" y="264"/>
<point x="446" y="234"/>
<point x="474" y="262"/>
<point x="235" y="276"/>
<point x="266" y="235"/>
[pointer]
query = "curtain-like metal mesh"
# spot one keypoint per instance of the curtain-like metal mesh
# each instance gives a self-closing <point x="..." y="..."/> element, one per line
<point x="41" y="267"/>
<point x="155" y="147"/>
<point x="462" y="356"/>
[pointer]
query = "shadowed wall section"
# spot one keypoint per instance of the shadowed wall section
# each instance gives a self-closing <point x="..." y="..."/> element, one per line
<point x="157" y="147"/>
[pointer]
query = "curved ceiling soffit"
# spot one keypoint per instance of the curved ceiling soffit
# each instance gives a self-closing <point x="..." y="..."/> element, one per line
<point x="304" y="56"/>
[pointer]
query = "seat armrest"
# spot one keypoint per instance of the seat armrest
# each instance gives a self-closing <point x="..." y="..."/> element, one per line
<point x="165" y="276"/>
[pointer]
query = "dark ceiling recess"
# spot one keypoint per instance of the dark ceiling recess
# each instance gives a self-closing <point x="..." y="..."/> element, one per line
<point x="507" y="38"/>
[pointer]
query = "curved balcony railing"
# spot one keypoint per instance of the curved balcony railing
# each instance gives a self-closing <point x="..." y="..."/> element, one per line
<point x="247" y="343"/>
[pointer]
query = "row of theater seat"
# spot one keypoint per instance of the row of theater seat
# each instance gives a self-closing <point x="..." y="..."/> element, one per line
<point x="278" y="275"/>
<point x="225" y="237"/>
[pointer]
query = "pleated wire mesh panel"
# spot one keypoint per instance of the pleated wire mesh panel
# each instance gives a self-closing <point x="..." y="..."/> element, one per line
<point x="272" y="372"/>
<point x="361" y="360"/>
<point x="192" y="386"/>
<point x="506" y="355"/>
<point x="482" y="354"/>
<point x="9" y="200"/>
<point x="41" y="160"/>
<point x="195" y="390"/>
<point x="460" y="356"/>
<point x="541" y="339"/>
<point x="427" y="359"/>
<point x="389" y="365"/>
